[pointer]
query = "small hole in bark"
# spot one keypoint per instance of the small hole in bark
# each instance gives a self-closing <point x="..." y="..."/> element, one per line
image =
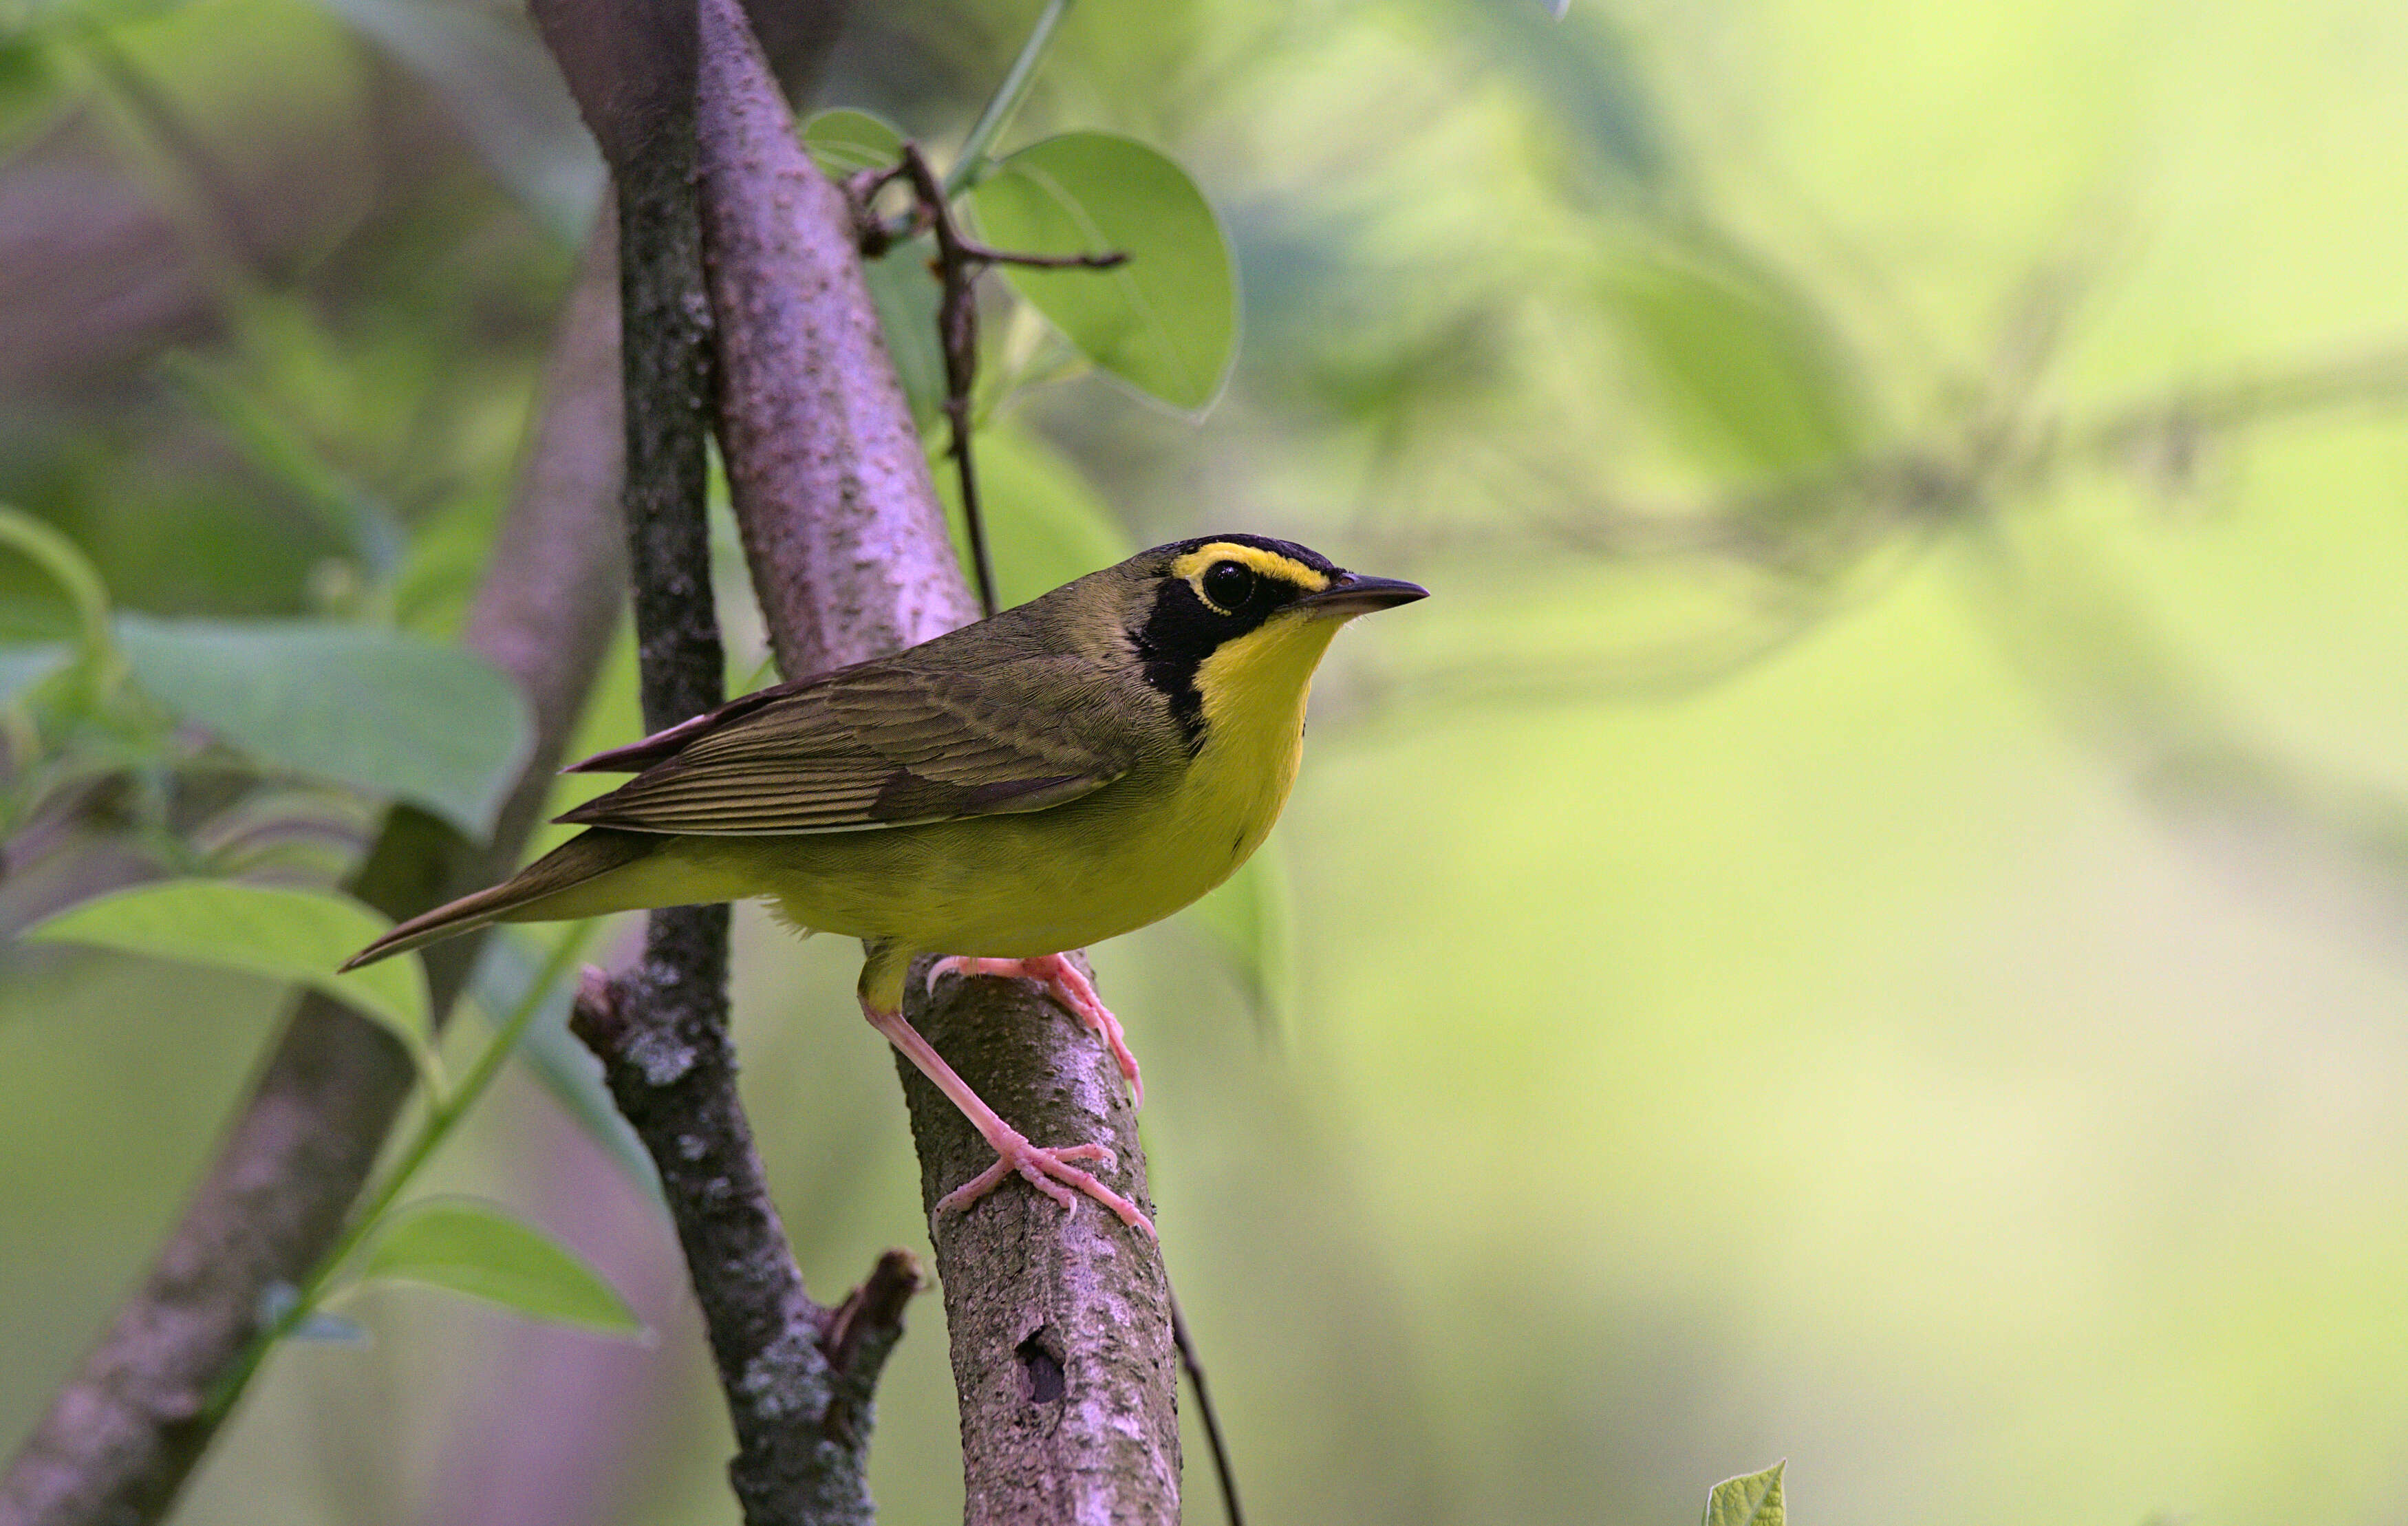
<point x="1040" y="1359"/>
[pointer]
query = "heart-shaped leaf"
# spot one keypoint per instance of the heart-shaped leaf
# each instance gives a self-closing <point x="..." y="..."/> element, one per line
<point x="1166" y="321"/>
<point x="480" y="1249"/>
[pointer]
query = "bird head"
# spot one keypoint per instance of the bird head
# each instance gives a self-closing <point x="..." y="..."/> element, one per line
<point x="1228" y="623"/>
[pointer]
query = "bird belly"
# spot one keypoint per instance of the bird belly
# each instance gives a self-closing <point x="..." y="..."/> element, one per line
<point x="1016" y="886"/>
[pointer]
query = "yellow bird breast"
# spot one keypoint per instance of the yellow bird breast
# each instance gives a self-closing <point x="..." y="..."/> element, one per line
<point x="1014" y="887"/>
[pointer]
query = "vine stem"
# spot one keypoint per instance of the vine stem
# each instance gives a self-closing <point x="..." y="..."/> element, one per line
<point x="442" y="1115"/>
<point x="971" y="162"/>
<point x="66" y="566"/>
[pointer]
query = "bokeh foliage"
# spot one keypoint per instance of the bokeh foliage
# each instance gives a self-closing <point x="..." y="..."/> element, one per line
<point x="1864" y="924"/>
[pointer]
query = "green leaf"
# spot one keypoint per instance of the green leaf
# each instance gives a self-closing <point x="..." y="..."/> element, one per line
<point x="844" y="141"/>
<point x="1250" y="921"/>
<point x="1750" y="373"/>
<point x="1166" y="321"/>
<point x="906" y="298"/>
<point x="1044" y="524"/>
<point x="1753" y="1500"/>
<point x="479" y="1249"/>
<point x="292" y="935"/>
<point x="387" y="712"/>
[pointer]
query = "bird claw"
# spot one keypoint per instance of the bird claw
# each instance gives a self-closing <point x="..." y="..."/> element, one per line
<point x="1049" y="1171"/>
<point x="1069" y="986"/>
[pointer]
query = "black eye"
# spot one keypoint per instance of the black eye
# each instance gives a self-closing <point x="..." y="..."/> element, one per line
<point x="1229" y="584"/>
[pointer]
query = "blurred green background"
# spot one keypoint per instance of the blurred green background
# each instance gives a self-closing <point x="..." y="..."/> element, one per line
<point x="1867" y="922"/>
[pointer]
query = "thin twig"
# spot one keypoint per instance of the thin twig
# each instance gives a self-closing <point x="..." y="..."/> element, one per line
<point x="858" y="1336"/>
<point x="1194" y="1370"/>
<point x="981" y="254"/>
<point x="957" y="264"/>
<point x="957" y="335"/>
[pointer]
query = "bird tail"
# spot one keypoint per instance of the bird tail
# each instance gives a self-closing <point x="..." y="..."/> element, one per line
<point x="578" y="862"/>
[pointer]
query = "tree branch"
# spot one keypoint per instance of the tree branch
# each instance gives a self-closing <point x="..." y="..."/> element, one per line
<point x="797" y="1379"/>
<point x="1060" y="1327"/>
<point x="1060" y="1323"/>
<point x="841" y="526"/>
<point x="124" y="1433"/>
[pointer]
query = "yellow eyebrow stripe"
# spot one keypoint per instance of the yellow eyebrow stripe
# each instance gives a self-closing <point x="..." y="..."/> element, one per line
<point x="1270" y="564"/>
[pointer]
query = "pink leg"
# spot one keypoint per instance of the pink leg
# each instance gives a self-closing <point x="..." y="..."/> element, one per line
<point x="1063" y="983"/>
<point x="1049" y="1171"/>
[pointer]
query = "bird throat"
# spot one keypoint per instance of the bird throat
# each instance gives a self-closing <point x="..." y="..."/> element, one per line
<point x="1253" y="690"/>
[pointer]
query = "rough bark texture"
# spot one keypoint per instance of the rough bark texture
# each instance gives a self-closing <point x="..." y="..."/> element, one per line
<point x="1060" y="1325"/>
<point x="842" y="528"/>
<point x="797" y="1379"/>
<point x="122" y="1436"/>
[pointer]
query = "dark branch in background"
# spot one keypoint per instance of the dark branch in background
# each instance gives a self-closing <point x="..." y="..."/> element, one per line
<point x="1059" y="1325"/>
<point x="958" y="263"/>
<point x="124" y="1433"/>
<point x="797" y="1379"/>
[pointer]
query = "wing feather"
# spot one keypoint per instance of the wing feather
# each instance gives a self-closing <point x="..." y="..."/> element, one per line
<point x="885" y="744"/>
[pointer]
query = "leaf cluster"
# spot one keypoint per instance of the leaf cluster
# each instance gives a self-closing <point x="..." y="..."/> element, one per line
<point x="245" y="759"/>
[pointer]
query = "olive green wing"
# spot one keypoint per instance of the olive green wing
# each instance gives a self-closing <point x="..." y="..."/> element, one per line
<point x="880" y="745"/>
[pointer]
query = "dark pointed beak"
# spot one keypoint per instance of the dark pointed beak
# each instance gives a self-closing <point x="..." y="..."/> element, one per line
<point x="1353" y="593"/>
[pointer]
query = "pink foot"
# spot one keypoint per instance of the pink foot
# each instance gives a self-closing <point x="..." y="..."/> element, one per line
<point x="1067" y="986"/>
<point x="1051" y="1172"/>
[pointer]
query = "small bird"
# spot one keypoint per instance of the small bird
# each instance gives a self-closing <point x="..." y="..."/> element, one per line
<point x="1071" y="770"/>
